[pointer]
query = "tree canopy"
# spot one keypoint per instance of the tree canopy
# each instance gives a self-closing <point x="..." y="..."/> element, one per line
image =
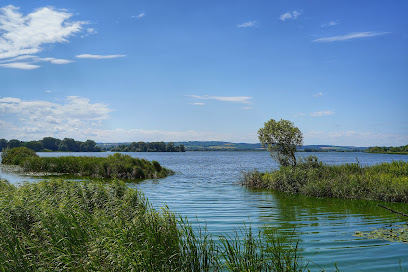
<point x="281" y="139"/>
<point x="52" y="144"/>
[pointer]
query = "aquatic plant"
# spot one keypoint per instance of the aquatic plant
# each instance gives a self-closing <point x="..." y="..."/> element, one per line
<point x="385" y="181"/>
<point x="59" y="225"/>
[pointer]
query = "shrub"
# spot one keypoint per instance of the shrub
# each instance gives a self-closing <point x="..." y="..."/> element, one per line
<point x="17" y="155"/>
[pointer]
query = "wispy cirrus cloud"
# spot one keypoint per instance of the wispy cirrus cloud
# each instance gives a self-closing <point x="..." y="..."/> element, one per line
<point x="322" y="113"/>
<point x="234" y="99"/>
<point x="319" y="94"/>
<point x="290" y="15"/>
<point x="91" y="56"/>
<point x="19" y="65"/>
<point x="23" y="35"/>
<point x="350" y="36"/>
<point x="248" y="24"/>
<point x="30" y="62"/>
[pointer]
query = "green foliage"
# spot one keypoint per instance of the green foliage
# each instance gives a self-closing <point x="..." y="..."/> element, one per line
<point x="391" y="150"/>
<point x="3" y="144"/>
<point x="385" y="181"/>
<point x="149" y="147"/>
<point x="52" y="144"/>
<point x="114" y="166"/>
<point x="34" y="145"/>
<point x="17" y="155"/>
<point x="14" y="143"/>
<point x="281" y="138"/>
<point x="58" y="225"/>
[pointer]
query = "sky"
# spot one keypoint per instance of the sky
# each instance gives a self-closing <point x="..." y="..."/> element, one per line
<point x="204" y="70"/>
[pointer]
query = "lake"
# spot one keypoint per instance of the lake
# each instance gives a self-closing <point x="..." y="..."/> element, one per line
<point x="206" y="189"/>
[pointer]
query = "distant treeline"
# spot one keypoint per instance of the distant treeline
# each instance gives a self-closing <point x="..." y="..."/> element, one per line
<point x="391" y="149"/>
<point x="49" y="144"/>
<point x="149" y="147"/>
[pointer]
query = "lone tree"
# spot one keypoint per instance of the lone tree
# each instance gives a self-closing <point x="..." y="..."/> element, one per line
<point x="281" y="139"/>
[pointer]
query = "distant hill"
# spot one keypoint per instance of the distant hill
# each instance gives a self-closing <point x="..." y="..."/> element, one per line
<point x="227" y="146"/>
<point x="329" y="148"/>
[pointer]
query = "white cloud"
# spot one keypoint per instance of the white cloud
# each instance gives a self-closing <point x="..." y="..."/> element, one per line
<point x="248" y="24"/>
<point x="60" y="61"/>
<point x="90" y="56"/>
<point x="329" y="24"/>
<point x="23" y="35"/>
<point x="79" y="119"/>
<point x="290" y="15"/>
<point x="319" y="94"/>
<point x="89" y="31"/>
<point x="29" y="62"/>
<point x="139" y="16"/>
<point x="20" y="65"/>
<point x="198" y="104"/>
<point x="48" y="118"/>
<point x="350" y="36"/>
<point x="322" y="113"/>
<point x="235" y="99"/>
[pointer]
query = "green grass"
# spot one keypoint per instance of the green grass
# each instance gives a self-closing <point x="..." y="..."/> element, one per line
<point x="58" y="225"/>
<point x="385" y="181"/>
<point x="114" y="166"/>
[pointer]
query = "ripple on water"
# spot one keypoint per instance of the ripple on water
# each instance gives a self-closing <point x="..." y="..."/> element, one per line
<point x="205" y="189"/>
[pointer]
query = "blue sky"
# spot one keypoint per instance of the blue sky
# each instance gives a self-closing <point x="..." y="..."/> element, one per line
<point x="204" y="70"/>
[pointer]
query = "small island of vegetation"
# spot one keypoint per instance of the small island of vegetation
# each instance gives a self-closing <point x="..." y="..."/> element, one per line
<point x="308" y="176"/>
<point x="114" y="166"/>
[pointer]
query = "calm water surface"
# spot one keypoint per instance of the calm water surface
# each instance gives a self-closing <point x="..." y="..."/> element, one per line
<point x="206" y="190"/>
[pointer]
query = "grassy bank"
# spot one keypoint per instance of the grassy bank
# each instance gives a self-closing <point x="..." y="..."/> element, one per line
<point x="385" y="181"/>
<point x="60" y="225"/>
<point x="114" y="166"/>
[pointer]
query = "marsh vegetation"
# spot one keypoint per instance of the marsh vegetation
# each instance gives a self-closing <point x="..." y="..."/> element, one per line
<point x="384" y="181"/>
<point x="113" y="166"/>
<point x="60" y="225"/>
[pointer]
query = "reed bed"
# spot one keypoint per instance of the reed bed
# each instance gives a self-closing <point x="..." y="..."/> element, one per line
<point x="384" y="181"/>
<point x="114" y="166"/>
<point x="58" y="225"/>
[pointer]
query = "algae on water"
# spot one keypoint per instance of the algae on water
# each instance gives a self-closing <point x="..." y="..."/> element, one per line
<point x="396" y="233"/>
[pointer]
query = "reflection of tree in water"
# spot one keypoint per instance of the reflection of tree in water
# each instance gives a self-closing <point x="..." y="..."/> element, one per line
<point x="292" y="213"/>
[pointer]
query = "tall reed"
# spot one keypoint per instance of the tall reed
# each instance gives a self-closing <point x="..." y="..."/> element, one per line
<point x="58" y="225"/>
